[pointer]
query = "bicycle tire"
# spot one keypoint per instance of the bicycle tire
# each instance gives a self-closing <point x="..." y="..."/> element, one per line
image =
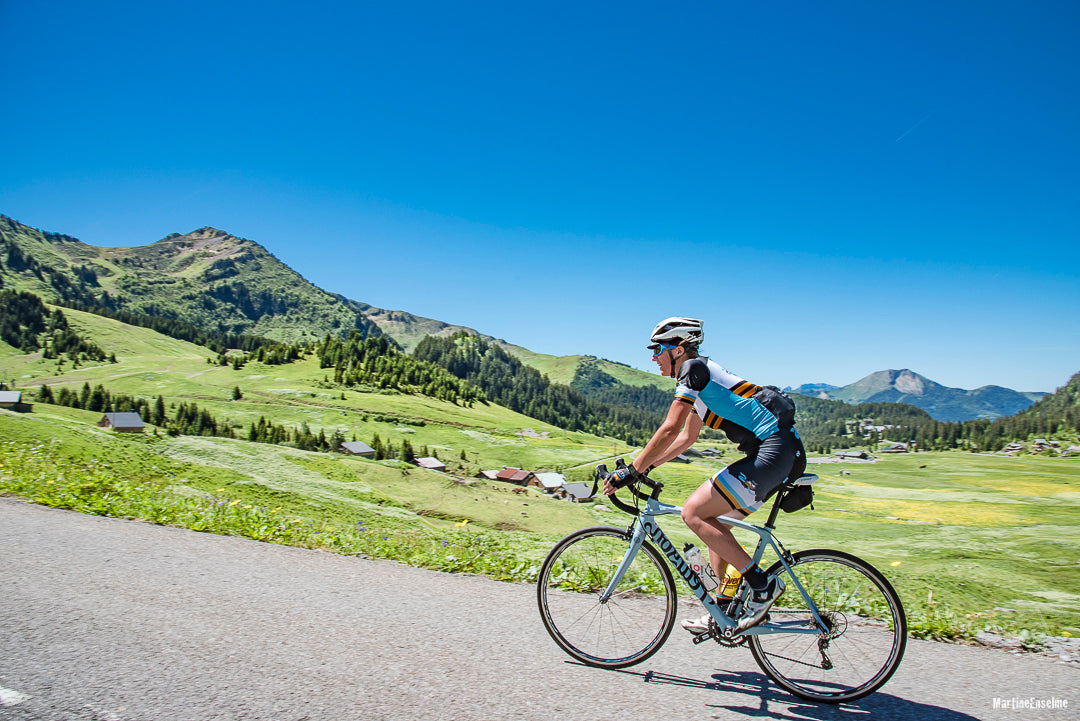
<point x="864" y="644"/>
<point x="632" y="624"/>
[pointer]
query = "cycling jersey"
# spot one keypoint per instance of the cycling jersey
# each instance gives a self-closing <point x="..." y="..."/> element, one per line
<point x="725" y="401"/>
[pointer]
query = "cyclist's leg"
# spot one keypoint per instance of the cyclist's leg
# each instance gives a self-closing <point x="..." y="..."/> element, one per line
<point x="700" y="513"/>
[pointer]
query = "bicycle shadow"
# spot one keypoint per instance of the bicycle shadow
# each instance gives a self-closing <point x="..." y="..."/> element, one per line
<point x="778" y="704"/>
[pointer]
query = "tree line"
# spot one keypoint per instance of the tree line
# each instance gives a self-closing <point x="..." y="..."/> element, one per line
<point x="180" y="419"/>
<point x="507" y="381"/>
<point x="378" y="362"/>
<point x="1054" y="416"/>
<point x="594" y="383"/>
<point x="27" y="324"/>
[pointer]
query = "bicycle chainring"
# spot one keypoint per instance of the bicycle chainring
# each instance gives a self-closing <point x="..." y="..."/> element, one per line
<point x="717" y="634"/>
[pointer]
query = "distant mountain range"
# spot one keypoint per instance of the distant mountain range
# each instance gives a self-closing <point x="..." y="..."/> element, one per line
<point x="221" y="283"/>
<point x="941" y="402"/>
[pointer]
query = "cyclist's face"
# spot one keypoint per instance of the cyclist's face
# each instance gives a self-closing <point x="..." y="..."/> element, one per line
<point x="663" y="356"/>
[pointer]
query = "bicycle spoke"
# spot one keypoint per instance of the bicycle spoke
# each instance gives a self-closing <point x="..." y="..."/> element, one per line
<point x="634" y="621"/>
<point x="865" y="638"/>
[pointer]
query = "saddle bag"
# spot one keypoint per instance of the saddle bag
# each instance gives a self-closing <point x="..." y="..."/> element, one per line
<point x="796" y="498"/>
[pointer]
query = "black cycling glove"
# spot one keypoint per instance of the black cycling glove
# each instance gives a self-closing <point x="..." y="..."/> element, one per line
<point x="624" y="476"/>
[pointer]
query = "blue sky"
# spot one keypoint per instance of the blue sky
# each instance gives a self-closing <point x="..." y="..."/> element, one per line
<point x="835" y="187"/>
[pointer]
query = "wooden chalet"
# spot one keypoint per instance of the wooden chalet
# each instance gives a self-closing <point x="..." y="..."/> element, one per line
<point x="12" y="401"/>
<point x="130" y="422"/>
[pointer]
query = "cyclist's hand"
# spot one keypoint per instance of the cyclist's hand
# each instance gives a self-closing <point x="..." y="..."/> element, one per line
<point x="621" y="476"/>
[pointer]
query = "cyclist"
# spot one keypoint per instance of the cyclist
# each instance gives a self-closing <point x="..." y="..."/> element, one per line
<point x="759" y="419"/>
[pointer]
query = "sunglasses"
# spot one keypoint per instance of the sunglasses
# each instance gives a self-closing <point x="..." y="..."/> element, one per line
<point x="661" y="347"/>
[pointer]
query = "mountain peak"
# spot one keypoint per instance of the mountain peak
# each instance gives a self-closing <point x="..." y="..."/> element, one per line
<point x="903" y="380"/>
<point x="203" y="240"/>
<point x="941" y="402"/>
<point x="207" y="232"/>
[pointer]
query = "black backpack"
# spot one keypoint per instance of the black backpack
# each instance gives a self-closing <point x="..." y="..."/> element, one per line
<point x="779" y="403"/>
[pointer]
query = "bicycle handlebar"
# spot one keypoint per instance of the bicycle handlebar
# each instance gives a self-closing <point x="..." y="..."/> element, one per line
<point x="641" y="478"/>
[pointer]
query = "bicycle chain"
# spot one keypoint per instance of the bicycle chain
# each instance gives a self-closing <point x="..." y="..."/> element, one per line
<point x="823" y="644"/>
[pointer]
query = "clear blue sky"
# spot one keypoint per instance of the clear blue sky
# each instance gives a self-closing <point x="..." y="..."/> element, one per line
<point x="835" y="187"/>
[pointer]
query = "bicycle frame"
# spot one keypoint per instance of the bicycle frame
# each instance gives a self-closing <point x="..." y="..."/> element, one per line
<point x="646" y="526"/>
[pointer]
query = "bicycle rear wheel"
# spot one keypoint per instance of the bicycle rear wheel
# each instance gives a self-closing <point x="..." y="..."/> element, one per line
<point x="865" y="637"/>
<point x="622" y="631"/>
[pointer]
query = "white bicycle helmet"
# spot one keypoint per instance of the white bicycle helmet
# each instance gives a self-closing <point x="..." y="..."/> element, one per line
<point x="673" y="331"/>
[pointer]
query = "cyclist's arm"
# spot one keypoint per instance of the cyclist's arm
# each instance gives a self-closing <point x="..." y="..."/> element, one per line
<point x="689" y="435"/>
<point x="665" y="435"/>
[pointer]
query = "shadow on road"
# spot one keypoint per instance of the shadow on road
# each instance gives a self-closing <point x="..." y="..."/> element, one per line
<point x="772" y="702"/>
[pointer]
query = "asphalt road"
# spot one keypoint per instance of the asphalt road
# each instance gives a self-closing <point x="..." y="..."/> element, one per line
<point x="105" y="619"/>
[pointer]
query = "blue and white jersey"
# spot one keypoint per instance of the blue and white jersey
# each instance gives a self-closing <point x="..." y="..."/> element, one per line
<point x="725" y="401"/>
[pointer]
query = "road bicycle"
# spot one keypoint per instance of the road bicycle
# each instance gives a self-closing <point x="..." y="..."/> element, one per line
<point x="608" y="598"/>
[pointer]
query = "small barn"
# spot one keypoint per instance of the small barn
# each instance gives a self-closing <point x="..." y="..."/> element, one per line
<point x="357" y="448"/>
<point x="12" y="401"/>
<point x="514" y="475"/>
<point x="488" y="475"/>
<point x="130" y="422"/>
<point x="430" y="463"/>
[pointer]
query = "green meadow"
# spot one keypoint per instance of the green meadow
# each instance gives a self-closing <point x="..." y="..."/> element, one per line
<point x="971" y="541"/>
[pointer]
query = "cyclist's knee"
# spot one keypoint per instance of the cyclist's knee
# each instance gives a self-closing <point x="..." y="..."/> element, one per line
<point x="692" y="514"/>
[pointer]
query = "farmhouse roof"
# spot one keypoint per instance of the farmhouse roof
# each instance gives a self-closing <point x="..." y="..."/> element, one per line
<point x="551" y="481"/>
<point x="124" y="420"/>
<point x="10" y="396"/>
<point x="430" y="463"/>
<point x="514" y="475"/>
<point x="851" y="454"/>
<point x="580" y="491"/>
<point x="357" y="448"/>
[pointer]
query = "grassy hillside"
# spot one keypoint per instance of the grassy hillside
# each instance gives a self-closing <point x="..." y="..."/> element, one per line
<point x="151" y="365"/>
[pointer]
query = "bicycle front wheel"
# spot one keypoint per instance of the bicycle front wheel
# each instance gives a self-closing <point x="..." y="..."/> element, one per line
<point x="864" y="636"/>
<point x="627" y="628"/>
